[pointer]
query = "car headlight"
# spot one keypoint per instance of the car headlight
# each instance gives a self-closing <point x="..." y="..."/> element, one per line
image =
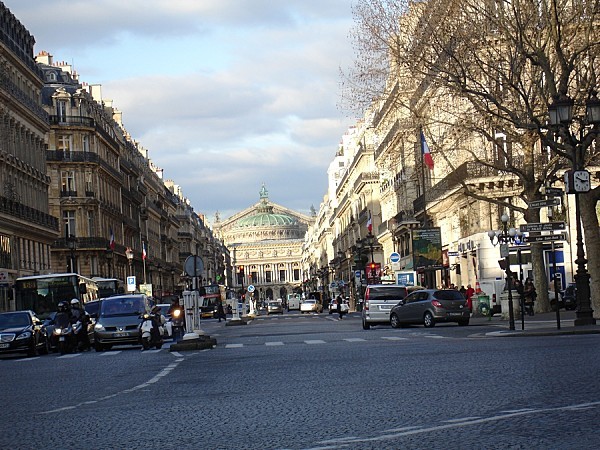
<point x="98" y="327"/>
<point x="25" y="335"/>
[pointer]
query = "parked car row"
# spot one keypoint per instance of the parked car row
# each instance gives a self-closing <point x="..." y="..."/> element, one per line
<point x="393" y="304"/>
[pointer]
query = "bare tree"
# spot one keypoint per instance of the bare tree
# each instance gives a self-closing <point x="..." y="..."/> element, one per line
<point x="502" y="63"/>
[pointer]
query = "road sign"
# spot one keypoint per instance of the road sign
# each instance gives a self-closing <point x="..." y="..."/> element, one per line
<point x="131" y="284"/>
<point x="545" y="238"/>
<point x="549" y="226"/>
<point x="394" y="257"/>
<point x="251" y="288"/>
<point x="554" y="192"/>
<point x="541" y="203"/>
<point x="193" y="266"/>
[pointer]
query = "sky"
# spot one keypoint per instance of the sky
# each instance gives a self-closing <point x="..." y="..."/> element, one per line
<point x="224" y="94"/>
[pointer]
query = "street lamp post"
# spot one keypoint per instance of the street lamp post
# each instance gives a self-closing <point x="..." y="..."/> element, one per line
<point x="109" y="260"/>
<point x="504" y="238"/>
<point x="577" y="182"/>
<point x="72" y="245"/>
<point x="129" y="254"/>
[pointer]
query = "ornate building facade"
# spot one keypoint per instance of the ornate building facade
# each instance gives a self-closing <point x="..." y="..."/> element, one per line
<point x="265" y="244"/>
<point x="27" y="229"/>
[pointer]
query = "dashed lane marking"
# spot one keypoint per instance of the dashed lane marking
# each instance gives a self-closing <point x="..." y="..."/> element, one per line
<point x="161" y="374"/>
<point x="355" y="340"/>
<point x="273" y="344"/>
<point x="114" y="352"/>
<point x="234" y="345"/>
<point x="70" y="355"/>
<point x="314" y="341"/>
<point x="394" y="338"/>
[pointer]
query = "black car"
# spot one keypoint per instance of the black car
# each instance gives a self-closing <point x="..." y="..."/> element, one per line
<point x="22" y="332"/>
<point x="569" y="297"/>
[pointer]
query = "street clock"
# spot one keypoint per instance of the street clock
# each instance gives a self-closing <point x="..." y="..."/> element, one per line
<point x="577" y="181"/>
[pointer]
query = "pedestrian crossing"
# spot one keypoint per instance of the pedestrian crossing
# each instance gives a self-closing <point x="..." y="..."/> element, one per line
<point x="321" y="341"/>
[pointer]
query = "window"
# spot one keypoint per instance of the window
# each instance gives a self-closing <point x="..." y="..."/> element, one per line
<point x="282" y="275"/>
<point x="91" y="224"/>
<point x="296" y="274"/>
<point x="64" y="145"/>
<point x="69" y="221"/>
<point x="61" y="111"/>
<point x="85" y="144"/>
<point x="67" y="178"/>
<point x="268" y="276"/>
<point x="88" y="182"/>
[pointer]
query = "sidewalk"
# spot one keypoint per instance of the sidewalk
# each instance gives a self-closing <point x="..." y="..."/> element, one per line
<point x="544" y="324"/>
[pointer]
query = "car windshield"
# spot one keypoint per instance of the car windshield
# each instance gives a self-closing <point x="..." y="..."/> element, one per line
<point x="387" y="293"/>
<point x="310" y="301"/>
<point x="14" y="320"/>
<point x="448" y="294"/>
<point x="122" y="306"/>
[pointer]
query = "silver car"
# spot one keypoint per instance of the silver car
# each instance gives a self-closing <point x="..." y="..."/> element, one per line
<point x="274" y="308"/>
<point x="379" y="301"/>
<point x="429" y="306"/>
<point x="118" y="320"/>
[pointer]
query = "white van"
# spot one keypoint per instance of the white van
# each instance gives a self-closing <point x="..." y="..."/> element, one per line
<point x="293" y="302"/>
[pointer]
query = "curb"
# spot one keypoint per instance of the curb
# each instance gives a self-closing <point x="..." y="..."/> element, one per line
<point x="202" y="343"/>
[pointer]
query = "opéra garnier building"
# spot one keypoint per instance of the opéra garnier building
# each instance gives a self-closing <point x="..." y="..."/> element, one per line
<point x="265" y="245"/>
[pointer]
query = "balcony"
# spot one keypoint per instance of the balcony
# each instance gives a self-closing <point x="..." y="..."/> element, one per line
<point x="24" y="212"/>
<point x="66" y="193"/>
<point x="71" y="121"/>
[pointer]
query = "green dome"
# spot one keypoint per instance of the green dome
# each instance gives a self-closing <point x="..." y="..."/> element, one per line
<point x="265" y="217"/>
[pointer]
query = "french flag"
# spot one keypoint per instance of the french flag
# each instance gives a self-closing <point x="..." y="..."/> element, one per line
<point x="426" y="153"/>
<point x="144" y="254"/>
<point x="370" y="223"/>
<point x="111" y="242"/>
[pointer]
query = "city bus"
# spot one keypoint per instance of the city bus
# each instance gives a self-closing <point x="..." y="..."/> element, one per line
<point x="109" y="286"/>
<point x="42" y="293"/>
<point x="213" y="294"/>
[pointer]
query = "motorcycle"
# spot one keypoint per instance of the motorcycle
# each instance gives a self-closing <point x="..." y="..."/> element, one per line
<point x="150" y="333"/>
<point x="66" y="337"/>
<point x="177" y="323"/>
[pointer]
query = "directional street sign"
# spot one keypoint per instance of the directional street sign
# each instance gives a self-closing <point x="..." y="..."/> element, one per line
<point x="394" y="257"/>
<point x="541" y="203"/>
<point x="545" y="238"/>
<point x="550" y="226"/>
<point x="554" y="192"/>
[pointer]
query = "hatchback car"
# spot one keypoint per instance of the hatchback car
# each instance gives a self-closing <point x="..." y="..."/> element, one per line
<point x="119" y="319"/>
<point x="379" y="301"/>
<point x="274" y="308"/>
<point x="22" y="332"/>
<point x="311" y="305"/>
<point x="429" y="306"/>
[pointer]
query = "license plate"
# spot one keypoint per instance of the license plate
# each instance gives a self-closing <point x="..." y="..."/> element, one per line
<point x="61" y="339"/>
<point x="385" y="307"/>
<point x="455" y="314"/>
<point x="4" y="345"/>
<point x="120" y="335"/>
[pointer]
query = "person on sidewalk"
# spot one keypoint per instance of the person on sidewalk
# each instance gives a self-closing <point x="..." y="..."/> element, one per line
<point x="469" y="296"/>
<point x="529" y="296"/>
<point x="220" y="311"/>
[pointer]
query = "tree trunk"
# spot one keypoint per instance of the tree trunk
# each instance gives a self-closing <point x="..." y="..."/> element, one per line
<point x="591" y="231"/>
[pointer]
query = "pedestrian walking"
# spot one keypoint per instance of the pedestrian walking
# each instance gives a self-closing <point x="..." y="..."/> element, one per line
<point x="529" y="295"/>
<point x="338" y="300"/>
<point x="469" y="296"/>
<point x="220" y="311"/>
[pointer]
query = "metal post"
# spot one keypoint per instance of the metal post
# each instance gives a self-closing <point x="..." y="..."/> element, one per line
<point x="555" y="287"/>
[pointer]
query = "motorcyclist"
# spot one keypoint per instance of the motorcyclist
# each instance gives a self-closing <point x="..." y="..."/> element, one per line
<point x="177" y="319"/>
<point x="158" y="320"/>
<point x="78" y="315"/>
<point x="62" y="319"/>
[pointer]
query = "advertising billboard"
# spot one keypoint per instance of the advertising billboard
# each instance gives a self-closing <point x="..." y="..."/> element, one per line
<point x="427" y="248"/>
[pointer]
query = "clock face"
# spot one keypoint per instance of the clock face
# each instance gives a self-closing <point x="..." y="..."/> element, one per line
<point x="581" y="181"/>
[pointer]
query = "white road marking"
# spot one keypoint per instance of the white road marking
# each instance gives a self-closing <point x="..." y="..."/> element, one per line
<point x="71" y="355"/>
<point x="273" y="343"/>
<point x="113" y="353"/>
<point x="28" y="359"/>
<point x="163" y="373"/>
<point x="355" y="340"/>
<point x="234" y="345"/>
<point x="394" y="338"/>
<point x="314" y="341"/>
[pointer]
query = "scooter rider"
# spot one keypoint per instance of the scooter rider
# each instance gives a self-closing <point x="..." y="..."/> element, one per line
<point x="78" y="315"/>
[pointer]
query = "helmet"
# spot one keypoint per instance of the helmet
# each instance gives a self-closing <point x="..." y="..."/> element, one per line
<point x="62" y="306"/>
<point x="75" y="303"/>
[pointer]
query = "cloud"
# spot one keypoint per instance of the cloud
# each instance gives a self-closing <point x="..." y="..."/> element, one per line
<point x="223" y="97"/>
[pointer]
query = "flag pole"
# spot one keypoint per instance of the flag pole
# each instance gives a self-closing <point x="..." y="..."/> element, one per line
<point x="423" y="177"/>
